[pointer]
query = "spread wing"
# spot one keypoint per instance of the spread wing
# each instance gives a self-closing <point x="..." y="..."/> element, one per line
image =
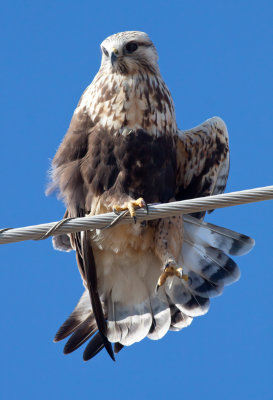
<point x="202" y="160"/>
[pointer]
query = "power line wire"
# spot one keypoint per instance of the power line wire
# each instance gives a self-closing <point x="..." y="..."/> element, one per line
<point x="68" y="225"/>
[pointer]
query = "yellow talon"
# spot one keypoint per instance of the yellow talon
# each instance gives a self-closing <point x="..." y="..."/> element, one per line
<point x="180" y="274"/>
<point x="171" y="271"/>
<point x="130" y="206"/>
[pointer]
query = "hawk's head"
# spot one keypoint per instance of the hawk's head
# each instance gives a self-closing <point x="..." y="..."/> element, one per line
<point x="129" y="52"/>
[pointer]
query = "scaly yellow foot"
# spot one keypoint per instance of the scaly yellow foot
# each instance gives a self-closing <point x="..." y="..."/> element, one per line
<point x="130" y="206"/>
<point x="171" y="270"/>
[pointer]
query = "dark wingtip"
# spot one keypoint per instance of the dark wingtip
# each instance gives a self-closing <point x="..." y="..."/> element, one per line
<point x="95" y="345"/>
<point x="118" y="347"/>
<point x="108" y="348"/>
<point x="66" y="329"/>
<point x="80" y="336"/>
<point x="75" y="342"/>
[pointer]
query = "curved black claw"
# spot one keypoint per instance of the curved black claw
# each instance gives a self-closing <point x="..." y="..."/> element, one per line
<point x="146" y="207"/>
<point x="115" y="211"/>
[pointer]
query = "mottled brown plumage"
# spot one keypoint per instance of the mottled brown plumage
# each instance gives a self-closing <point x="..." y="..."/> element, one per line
<point x="123" y="144"/>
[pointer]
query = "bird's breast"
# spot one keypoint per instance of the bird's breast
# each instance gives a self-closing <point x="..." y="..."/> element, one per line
<point x="122" y="104"/>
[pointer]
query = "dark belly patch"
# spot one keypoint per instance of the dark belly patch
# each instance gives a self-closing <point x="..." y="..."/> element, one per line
<point x="138" y="165"/>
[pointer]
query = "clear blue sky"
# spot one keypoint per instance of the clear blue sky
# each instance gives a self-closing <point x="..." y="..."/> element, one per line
<point x="216" y="57"/>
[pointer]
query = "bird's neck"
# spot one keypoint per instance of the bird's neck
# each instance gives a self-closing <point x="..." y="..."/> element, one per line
<point x="122" y="103"/>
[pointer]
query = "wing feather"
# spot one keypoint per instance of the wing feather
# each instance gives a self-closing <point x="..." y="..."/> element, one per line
<point x="95" y="345"/>
<point x="77" y="317"/>
<point x="202" y="160"/>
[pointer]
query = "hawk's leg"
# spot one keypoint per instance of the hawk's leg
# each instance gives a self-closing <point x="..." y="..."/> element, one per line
<point x="171" y="269"/>
<point x="131" y="206"/>
<point x="168" y="245"/>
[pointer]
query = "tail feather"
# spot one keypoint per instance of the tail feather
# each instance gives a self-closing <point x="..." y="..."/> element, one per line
<point x="210" y="264"/>
<point x="226" y="270"/>
<point x="128" y="324"/>
<point x="204" y="233"/>
<point x="203" y="287"/>
<point x="179" y="320"/>
<point x="161" y="315"/>
<point x="184" y="299"/>
<point x="204" y="258"/>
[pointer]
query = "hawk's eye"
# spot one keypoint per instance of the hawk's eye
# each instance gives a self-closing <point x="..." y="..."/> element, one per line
<point x="131" y="47"/>
<point x="105" y="51"/>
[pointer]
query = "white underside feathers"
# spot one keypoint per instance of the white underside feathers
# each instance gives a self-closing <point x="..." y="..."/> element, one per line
<point x="133" y="309"/>
<point x="226" y="240"/>
<point x="128" y="324"/>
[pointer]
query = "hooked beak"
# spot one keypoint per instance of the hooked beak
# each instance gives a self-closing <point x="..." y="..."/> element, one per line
<point x="114" y="55"/>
